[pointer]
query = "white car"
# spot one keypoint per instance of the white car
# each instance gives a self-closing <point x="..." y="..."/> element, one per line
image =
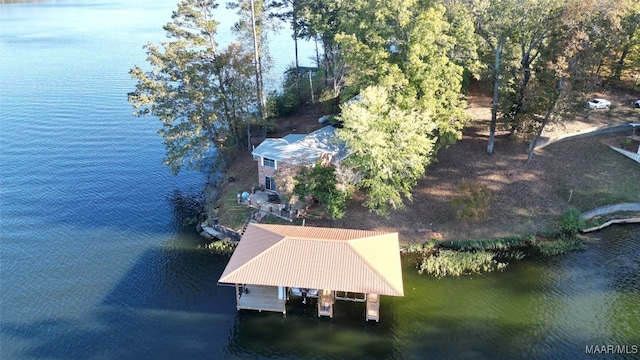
<point x="599" y="104"/>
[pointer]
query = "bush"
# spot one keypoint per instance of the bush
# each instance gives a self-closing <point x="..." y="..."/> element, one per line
<point x="625" y="143"/>
<point x="472" y="201"/>
<point x="328" y="101"/>
<point x="570" y="223"/>
<point x="450" y="262"/>
<point x="282" y="104"/>
<point x="286" y="102"/>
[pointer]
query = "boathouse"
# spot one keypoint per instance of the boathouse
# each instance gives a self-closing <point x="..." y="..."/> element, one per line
<point x="272" y="262"/>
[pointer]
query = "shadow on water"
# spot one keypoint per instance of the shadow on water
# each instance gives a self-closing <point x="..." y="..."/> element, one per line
<point x="122" y="334"/>
<point x="174" y="279"/>
<point x="301" y="334"/>
<point x="187" y="207"/>
<point x="168" y="305"/>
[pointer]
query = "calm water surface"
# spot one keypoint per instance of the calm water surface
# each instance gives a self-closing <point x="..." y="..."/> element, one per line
<point x="96" y="263"/>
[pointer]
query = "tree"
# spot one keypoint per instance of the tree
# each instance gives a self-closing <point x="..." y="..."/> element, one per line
<point x="409" y="103"/>
<point x="196" y="90"/>
<point x="629" y="43"/>
<point x="324" y="19"/>
<point x="537" y="25"/>
<point x="289" y="12"/>
<point x="495" y="23"/>
<point x="252" y="28"/>
<point x="321" y="183"/>
<point x="389" y="147"/>
<point x="563" y="76"/>
<point x="465" y="51"/>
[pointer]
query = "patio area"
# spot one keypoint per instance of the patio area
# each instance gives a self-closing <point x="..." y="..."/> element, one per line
<point x="268" y="202"/>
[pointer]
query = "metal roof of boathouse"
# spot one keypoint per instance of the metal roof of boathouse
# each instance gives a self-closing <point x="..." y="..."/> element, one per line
<point x="319" y="258"/>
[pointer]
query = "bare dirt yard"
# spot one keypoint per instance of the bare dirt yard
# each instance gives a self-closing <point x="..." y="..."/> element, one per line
<point x="527" y="198"/>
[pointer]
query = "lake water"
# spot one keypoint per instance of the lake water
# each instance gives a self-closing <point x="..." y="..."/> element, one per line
<point x="95" y="262"/>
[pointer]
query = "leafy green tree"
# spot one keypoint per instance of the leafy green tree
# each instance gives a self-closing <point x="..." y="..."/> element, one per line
<point x="398" y="57"/>
<point x="389" y="147"/>
<point x="465" y="51"/>
<point x="321" y="183"/>
<point x="198" y="91"/>
<point x="405" y="48"/>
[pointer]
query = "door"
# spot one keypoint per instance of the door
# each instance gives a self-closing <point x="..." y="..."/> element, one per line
<point x="269" y="183"/>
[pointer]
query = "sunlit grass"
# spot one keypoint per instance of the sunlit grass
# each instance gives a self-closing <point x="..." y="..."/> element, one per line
<point x="229" y="212"/>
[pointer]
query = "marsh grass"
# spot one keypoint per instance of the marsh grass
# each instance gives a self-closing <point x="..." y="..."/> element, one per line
<point x="456" y="263"/>
<point x="456" y="258"/>
<point x="503" y="243"/>
<point x="560" y="245"/>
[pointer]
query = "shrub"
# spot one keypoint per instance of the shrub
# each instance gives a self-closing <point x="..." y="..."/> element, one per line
<point x="414" y="248"/>
<point x="625" y="143"/>
<point x="286" y="102"/>
<point x="450" y="262"/>
<point x="571" y="222"/>
<point x="282" y="103"/>
<point x="321" y="183"/>
<point x="472" y="201"/>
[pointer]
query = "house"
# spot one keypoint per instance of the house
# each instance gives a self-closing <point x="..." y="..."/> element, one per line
<point x="296" y="150"/>
<point x="272" y="262"/>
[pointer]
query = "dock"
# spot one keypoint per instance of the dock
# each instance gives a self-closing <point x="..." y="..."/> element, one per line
<point x="325" y="303"/>
<point x="373" y="307"/>
<point x="259" y="297"/>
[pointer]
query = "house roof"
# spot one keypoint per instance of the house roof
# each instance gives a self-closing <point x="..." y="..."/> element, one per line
<point x="296" y="148"/>
<point x="317" y="258"/>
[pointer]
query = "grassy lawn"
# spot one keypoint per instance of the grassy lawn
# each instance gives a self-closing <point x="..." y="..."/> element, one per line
<point x="230" y="213"/>
<point x="226" y="208"/>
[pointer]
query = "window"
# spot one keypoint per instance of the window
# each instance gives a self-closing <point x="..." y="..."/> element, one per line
<point x="268" y="162"/>
<point x="269" y="183"/>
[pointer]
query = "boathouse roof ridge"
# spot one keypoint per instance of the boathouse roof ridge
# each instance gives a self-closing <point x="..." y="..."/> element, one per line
<point x="321" y="258"/>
